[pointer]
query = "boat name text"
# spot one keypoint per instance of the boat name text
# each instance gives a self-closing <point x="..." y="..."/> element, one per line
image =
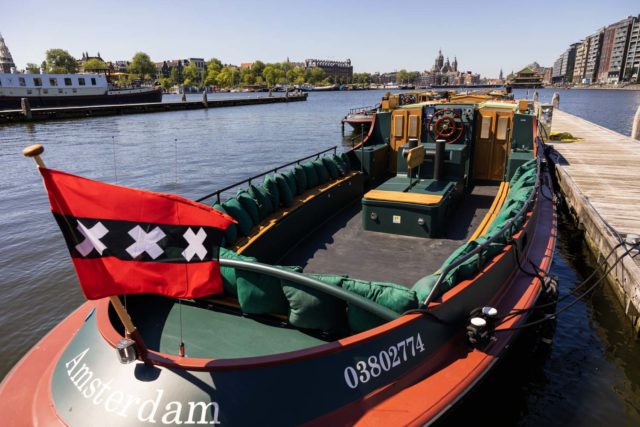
<point x="101" y="393"/>
<point x="384" y="361"/>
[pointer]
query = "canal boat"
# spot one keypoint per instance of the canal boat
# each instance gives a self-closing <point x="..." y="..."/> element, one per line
<point x="377" y="287"/>
<point x="64" y="90"/>
<point x="360" y="117"/>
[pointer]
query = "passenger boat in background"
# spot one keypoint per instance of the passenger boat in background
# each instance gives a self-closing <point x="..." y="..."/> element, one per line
<point x="360" y="117"/>
<point x="376" y="286"/>
<point x="64" y="90"/>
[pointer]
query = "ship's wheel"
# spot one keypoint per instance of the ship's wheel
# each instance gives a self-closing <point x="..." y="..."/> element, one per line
<point x="447" y="125"/>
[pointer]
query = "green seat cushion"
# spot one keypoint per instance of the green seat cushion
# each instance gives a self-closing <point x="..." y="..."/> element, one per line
<point x="271" y="187"/>
<point x="522" y="169"/>
<point x="331" y="166"/>
<point x="264" y="294"/>
<point x="259" y="194"/>
<point x="284" y="190"/>
<point x="390" y="295"/>
<point x="231" y="276"/>
<point x="321" y="171"/>
<point x="342" y="167"/>
<point x="231" y="233"/>
<point x="312" y="309"/>
<point x="346" y="161"/>
<point x="235" y="209"/>
<point x="301" y="179"/>
<point x="424" y="286"/>
<point x="311" y="174"/>
<point x="250" y="205"/>
<point x="291" y="181"/>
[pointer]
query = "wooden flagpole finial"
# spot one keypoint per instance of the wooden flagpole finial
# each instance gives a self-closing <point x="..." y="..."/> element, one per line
<point x="35" y="151"/>
<point x="128" y="325"/>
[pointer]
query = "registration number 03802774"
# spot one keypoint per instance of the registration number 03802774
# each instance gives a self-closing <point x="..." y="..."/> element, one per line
<point x="387" y="359"/>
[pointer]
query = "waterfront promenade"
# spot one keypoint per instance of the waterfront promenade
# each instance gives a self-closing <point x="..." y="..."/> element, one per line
<point x="598" y="176"/>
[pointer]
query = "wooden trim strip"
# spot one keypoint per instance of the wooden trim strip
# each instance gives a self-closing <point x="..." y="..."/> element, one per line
<point x="245" y="242"/>
<point x="493" y="210"/>
<point x="399" y="196"/>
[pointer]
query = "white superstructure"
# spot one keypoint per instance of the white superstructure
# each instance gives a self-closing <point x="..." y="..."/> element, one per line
<point x="44" y="85"/>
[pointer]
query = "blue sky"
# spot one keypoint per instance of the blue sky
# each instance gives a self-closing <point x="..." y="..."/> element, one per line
<point x="376" y="35"/>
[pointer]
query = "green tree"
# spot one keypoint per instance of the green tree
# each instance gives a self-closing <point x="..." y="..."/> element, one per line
<point x="192" y="75"/>
<point x="316" y="75"/>
<point x="271" y="74"/>
<point x="174" y="76"/>
<point x="248" y="76"/>
<point x="59" y="61"/>
<point x="228" y="77"/>
<point x="214" y="66"/>
<point x="94" y="64"/>
<point x="141" y="64"/>
<point x="33" y="68"/>
<point x="402" y="76"/>
<point x="258" y="67"/>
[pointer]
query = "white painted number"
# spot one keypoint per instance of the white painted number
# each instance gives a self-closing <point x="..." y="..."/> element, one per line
<point x="383" y="362"/>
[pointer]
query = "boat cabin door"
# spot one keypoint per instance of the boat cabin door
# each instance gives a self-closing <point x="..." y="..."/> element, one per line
<point x="405" y="124"/>
<point x="491" y="144"/>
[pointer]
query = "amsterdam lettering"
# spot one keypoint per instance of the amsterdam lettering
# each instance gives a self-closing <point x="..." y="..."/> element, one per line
<point x="101" y="393"/>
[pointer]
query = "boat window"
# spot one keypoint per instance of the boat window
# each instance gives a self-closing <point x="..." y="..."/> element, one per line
<point x="81" y="81"/>
<point x="0" y="82"/>
<point x="399" y="126"/>
<point x="67" y="81"/>
<point x="53" y="82"/>
<point x="486" y="127"/>
<point x="413" y="127"/>
<point x="45" y="90"/>
<point x="93" y="81"/>
<point x="74" y="90"/>
<point x="22" y="81"/>
<point x="29" y="91"/>
<point x="501" y="131"/>
<point x="59" y="90"/>
<point x="37" y="81"/>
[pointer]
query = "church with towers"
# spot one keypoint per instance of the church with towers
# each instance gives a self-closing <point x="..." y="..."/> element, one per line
<point x="445" y="72"/>
<point x="6" y="61"/>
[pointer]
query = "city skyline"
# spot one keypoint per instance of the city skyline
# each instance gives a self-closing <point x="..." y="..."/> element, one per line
<point x="488" y="37"/>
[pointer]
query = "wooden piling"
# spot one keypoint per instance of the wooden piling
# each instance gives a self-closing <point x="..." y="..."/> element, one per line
<point x="26" y="108"/>
<point x="635" y="128"/>
<point x="205" y="101"/>
<point x="535" y="96"/>
<point x="555" y="101"/>
<point x="184" y="97"/>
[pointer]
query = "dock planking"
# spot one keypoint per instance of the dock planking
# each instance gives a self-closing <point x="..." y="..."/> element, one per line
<point x="598" y="176"/>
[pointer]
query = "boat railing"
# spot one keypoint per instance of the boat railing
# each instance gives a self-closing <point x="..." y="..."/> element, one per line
<point x="366" y="109"/>
<point x="507" y="227"/>
<point x="217" y="193"/>
<point x="309" y="282"/>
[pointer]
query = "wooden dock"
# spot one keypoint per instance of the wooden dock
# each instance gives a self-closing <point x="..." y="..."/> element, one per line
<point x="42" y="114"/>
<point x="599" y="177"/>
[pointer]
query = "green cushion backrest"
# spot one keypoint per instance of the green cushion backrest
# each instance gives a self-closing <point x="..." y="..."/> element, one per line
<point x="231" y="276"/>
<point x="346" y="161"/>
<point x="311" y="309"/>
<point x="342" y="167"/>
<point x="259" y="194"/>
<point x="331" y="166"/>
<point x="390" y="295"/>
<point x="301" y="179"/>
<point x="311" y="174"/>
<point x="271" y="186"/>
<point x="249" y="204"/>
<point x="264" y="294"/>
<point x="522" y="169"/>
<point x="283" y="189"/>
<point x="423" y="287"/>
<point x="291" y="180"/>
<point x="235" y="209"/>
<point x="321" y="170"/>
<point x="231" y="234"/>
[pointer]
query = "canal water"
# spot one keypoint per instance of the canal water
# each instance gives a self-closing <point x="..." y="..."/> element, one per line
<point x="588" y="375"/>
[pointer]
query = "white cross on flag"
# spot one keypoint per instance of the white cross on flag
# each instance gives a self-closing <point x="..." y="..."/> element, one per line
<point x="92" y="238"/>
<point x="146" y="242"/>
<point x="195" y="244"/>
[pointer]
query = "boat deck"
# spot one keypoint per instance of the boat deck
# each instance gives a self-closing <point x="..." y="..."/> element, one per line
<point x="341" y="246"/>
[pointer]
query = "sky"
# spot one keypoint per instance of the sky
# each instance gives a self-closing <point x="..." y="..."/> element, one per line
<point x="485" y="35"/>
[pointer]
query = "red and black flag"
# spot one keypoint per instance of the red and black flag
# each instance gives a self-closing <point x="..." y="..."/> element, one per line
<point x="128" y="241"/>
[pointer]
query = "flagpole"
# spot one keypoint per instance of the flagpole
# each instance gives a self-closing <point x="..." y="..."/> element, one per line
<point x="34" y="152"/>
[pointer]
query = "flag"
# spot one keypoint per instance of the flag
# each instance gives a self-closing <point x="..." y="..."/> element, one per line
<point x="128" y="241"/>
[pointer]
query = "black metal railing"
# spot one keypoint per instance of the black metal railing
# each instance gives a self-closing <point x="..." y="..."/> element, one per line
<point x="367" y="109"/>
<point x="217" y="193"/>
<point x="507" y="227"/>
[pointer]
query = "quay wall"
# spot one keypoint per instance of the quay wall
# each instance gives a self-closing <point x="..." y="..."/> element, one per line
<point x="597" y="176"/>
<point x="42" y="114"/>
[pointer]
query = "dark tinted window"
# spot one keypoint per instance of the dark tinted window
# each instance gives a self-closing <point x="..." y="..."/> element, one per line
<point x="67" y="81"/>
<point x="37" y="81"/>
<point x="93" y="81"/>
<point x="53" y="82"/>
<point x="81" y="81"/>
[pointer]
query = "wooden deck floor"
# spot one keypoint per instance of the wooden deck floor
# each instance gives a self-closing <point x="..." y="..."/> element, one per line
<point x="605" y="165"/>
